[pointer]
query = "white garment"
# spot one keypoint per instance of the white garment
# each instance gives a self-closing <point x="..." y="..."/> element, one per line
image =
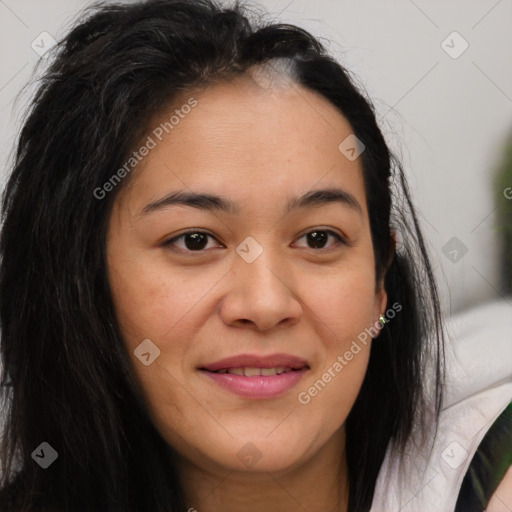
<point x="478" y="389"/>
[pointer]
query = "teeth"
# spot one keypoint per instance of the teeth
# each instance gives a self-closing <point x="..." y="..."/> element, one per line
<point x="248" y="371"/>
<point x="251" y="372"/>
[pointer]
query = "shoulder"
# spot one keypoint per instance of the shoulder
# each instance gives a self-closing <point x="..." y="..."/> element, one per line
<point x="486" y="476"/>
<point x="478" y="389"/>
<point x="478" y="351"/>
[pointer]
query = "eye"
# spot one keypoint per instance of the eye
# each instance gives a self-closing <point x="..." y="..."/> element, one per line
<point x="197" y="241"/>
<point x="192" y="241"/>
<point x="318" y="238"/>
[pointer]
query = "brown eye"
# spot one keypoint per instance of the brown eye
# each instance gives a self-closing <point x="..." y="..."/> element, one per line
<point x="195" y="241"/>
<point x="318" y="238"/>
<point x="192" y="241"/>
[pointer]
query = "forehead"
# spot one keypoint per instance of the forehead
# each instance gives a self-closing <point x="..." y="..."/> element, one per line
<point x="255" y="144"/>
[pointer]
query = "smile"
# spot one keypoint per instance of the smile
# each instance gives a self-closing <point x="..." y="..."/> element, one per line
<point x="256" y="383"/>
<point x="252" y="372"/>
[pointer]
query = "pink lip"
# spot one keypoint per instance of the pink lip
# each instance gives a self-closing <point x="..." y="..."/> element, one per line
<point x="253" y="361"/>
<point x="257" y="386"/>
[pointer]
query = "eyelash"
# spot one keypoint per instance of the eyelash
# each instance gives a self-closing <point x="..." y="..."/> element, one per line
<point x="339" y="239"/>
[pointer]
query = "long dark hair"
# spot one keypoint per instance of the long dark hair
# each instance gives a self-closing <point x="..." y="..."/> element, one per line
<point x="67" y="380"/>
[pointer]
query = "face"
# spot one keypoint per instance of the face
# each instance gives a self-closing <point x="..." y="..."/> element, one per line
<point x="276" y="282"/>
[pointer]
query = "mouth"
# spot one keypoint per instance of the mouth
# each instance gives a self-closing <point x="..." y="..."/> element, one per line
<point x="279" y="362"/>
<point x="257" y="377"/>
<point x="248" y="371"/>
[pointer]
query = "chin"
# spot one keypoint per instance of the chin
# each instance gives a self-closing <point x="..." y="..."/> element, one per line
<point x="252" y="454"/>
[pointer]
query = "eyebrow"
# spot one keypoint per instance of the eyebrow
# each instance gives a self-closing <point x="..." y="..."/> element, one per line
<point x="210" y="202"/>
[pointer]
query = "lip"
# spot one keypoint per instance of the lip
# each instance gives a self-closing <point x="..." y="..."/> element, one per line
<point x="254" y="361"/>
<point x="257" y="386"/>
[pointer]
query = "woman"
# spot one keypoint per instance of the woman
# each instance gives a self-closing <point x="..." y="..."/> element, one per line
<point x="214" y="290"/>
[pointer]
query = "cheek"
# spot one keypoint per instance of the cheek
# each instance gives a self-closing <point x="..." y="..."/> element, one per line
<point x="149" y="308"/>
<point x="344" y="311"/>
<point x="343" y="301"/>
<point x="165" y="307"/>
<point x="153" y="302"/>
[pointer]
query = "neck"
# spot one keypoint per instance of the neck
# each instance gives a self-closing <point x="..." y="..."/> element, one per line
<point x="317" y="484"/>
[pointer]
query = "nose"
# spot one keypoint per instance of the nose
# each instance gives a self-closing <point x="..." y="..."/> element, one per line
<point x="262" y="294"/>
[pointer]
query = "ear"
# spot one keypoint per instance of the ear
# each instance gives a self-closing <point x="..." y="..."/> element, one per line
<point x="393" y="242"/>
<point x="381" y="297"/>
